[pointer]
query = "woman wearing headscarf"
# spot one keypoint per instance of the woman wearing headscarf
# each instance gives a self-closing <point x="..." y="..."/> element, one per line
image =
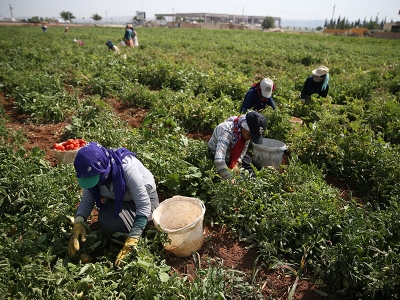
<point x="129" y="192"/>
<point x="128" y="37"/>
<point x="318" y="83"/>
<point x="134" y="36"/>
<point x="230" y="140"/>
<point x="112" y="47"/>
<point x="259" y="96"/>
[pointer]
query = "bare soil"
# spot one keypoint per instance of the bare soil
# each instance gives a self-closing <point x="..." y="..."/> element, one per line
<point x="218" y="245"/>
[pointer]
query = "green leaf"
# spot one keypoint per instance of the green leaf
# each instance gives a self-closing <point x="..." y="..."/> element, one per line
<point x="164" y="277"/>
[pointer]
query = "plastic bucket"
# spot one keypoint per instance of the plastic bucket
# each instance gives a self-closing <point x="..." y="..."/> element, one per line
<point x="269" y="153"/>
<point x="182" y="219"/>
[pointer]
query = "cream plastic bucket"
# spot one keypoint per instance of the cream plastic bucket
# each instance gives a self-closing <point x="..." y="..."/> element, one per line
<point x="182" y="219"/>
<point x="65" y="157"/>
<point x="269" y="153"/>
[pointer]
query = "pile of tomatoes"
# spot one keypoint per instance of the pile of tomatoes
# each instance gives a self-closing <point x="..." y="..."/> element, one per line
<point x="71" y="144"/>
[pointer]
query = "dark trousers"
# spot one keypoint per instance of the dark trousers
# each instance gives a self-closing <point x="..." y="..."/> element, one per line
<point x="248" y="163"/>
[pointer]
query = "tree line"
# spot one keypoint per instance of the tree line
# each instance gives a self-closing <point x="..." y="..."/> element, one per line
<point x="344" y="23"/>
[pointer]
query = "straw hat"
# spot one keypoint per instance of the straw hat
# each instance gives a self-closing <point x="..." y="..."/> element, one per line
<point x="320" y="71"/>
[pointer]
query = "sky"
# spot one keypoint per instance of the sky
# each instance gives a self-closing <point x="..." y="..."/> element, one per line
<point x="353" y="10"/>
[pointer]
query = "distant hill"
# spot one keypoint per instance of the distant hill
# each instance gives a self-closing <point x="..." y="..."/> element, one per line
<point x="302" y="23"/>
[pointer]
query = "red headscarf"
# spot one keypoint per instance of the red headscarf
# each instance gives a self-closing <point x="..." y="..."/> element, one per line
<point x="238" y="142"/>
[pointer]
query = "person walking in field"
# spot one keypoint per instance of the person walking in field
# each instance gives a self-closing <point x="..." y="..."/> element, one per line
<point x="112" y="47"/>
<point x="259" y="96"/>
<point x="230" y="140"/>
<point x="318" y="83"/>
<point x="128" y="37"/>
<point x="129" y="192"/>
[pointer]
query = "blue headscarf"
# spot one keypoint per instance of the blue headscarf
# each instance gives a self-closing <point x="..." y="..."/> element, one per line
<point x="93" y="159"/>
<point x="326" y="82"/>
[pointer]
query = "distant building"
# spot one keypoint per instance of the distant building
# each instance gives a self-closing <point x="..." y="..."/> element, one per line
<point x="7" y="20"/>
<point x="219" y="18"/>
<point x="391" y="27"/>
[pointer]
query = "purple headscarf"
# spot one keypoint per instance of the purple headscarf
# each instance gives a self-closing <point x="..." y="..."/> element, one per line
<point x="93" y="159"/>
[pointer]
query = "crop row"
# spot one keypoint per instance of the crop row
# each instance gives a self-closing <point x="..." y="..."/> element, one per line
<point x="191" y="81"/>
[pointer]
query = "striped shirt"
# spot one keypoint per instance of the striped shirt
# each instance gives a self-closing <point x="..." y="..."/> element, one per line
<point x="220" y="145"/>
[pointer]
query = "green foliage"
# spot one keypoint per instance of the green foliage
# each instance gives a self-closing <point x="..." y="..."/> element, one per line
<point x="190" y="80"/>
<point x="383" y="115"/>
<point x="268" y="22"/>
<point x="95" y="121"/>
<point x="67" y="15"/>
<point x="96" y="17"/>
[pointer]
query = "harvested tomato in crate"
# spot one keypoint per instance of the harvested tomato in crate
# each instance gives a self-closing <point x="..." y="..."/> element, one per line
<point x="65" y="152"/>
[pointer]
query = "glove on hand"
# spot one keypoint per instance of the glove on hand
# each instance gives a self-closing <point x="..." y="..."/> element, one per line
<point x="130" y="244"/>
<point x="78" y="231"/>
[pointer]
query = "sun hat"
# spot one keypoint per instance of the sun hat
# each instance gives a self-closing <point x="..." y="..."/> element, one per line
<point x="266" y="86"/>
<point x="257" y="125"/>
<point x="320" y="71"/>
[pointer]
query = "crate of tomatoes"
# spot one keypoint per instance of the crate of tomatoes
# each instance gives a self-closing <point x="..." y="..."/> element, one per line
<point x="65" y="152"/>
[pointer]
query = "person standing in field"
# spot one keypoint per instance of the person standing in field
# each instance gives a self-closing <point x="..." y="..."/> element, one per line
<point x="318" y="83"/>
<point x="66" y="30"/>
<point x="230" y="140"/>
<point x="128" y="37"/>
<point x="259" y="96"/>
<point x="129" y="192"/>
<point x="134" y="36"/>
<point x="44" y="28"/>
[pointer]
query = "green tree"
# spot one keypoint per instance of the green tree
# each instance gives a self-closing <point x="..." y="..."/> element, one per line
<point x="319" y="28"/>
<point x="268" y="22"/>
<point x="67" y="15"/>
<point x="160" y="18"/>
<point x="96" y="17"/>
<point x="35" y="19"/>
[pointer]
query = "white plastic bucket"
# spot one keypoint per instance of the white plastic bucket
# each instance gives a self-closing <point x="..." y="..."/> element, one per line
<point x="182" y="219"/>
<point x="269" y="153"/>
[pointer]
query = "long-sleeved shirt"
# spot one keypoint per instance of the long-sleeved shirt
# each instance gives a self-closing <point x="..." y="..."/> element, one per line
<point x="220" y="145"/>
<point x="136" y="177"/>
<point x="128" y="34"/>
<point x="253" y="101"/>
<point x="311" y="87"/>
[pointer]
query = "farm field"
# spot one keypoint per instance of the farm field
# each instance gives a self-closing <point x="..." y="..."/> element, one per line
<point x="326" y="226"/>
